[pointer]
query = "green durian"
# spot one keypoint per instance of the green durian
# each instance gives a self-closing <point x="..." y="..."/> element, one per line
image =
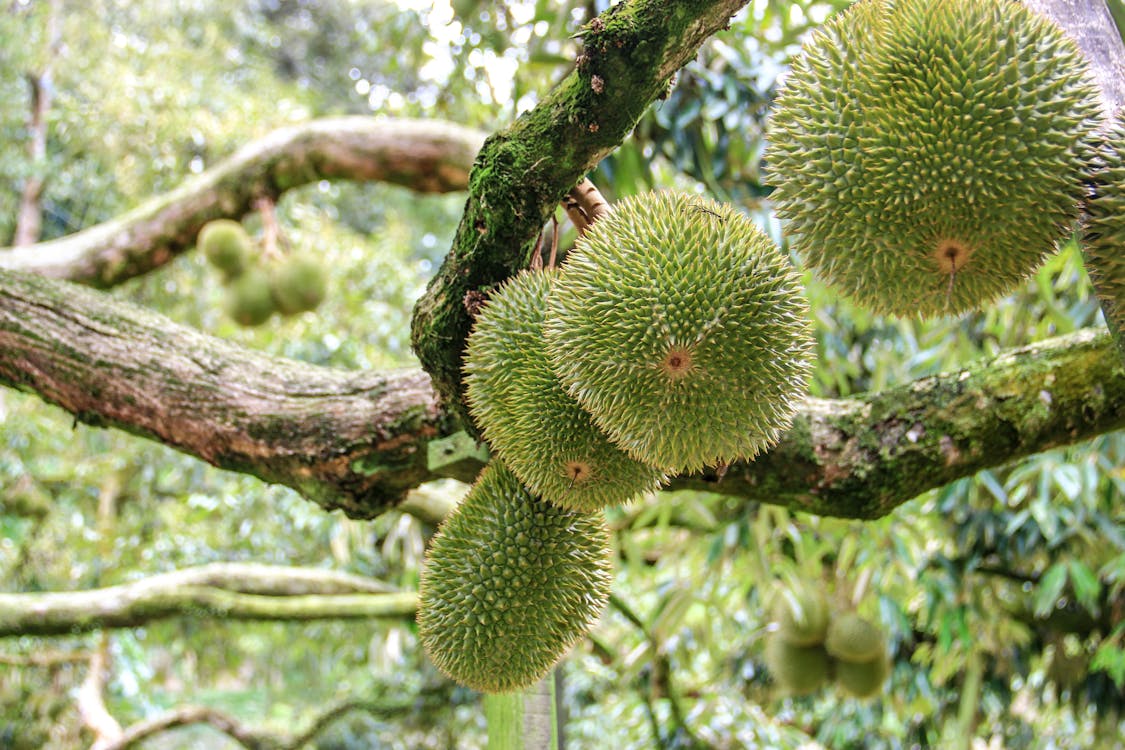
<point x="510" y="583"/>
<point x="800" y="670"/>
<point x="682" y="329"/>
<point x="927" y="156"/>
<point x="539" y="431"/>
<point x="802" y="617"/>
<point x="862" y="679"/>
<point x="853" y="638"/>
<point x="249" y="300"/>
<point x="1104" y="241"/>
<point x="226" y="245"/>
<point x="298" y="284"/>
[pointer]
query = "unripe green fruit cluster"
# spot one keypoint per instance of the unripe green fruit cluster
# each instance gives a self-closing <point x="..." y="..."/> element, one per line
<point x="674" y="337"/>
<point x="255" y="291"/>
<point x="814" y="645"/>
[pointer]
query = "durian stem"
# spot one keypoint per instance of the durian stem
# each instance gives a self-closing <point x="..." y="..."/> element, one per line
<point x="524" y="720"/>
<point x="272" y="237"/>
<point x="584" y="205"/>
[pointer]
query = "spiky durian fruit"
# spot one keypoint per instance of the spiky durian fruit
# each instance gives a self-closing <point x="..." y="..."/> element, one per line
<point x="1105" y="228"/>
<point x="853" y="638"/>
<point x="539" y="431"/>
<point x="509" y="584"/>
<point x="800" y="670"/>
<point x="226" y="246"/>
<point x="928" y="154"/>
<point x="802" y="617"/>
<point x="862" y="679"/>
<point x="298" y="284"/>
<point x="249" y="300"/>
<point x="682" y="329"/>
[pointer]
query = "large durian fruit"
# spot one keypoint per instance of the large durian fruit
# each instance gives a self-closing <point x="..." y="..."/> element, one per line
<point x="683" y="330"/>
<point x="510" y="583"/>
<point x="529" y="421"/>
<point x="1105" y="229"/>
<point x="928" y="154"/>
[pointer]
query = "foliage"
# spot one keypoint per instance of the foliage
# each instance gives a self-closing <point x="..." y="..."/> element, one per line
<point x="1007" y="572"/>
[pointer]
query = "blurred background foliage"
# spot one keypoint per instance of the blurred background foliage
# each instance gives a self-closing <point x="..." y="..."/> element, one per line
<point x="1016" y="575"/>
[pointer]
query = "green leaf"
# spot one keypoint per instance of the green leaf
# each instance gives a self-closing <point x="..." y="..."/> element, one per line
<point x="1086" y="585"/>
<point x="1049" y="590"/>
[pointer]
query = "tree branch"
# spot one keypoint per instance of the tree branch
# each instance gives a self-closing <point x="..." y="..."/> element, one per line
<point x="202" y="592"/>
<point x="359" y="441"/>
<point x="425" y="155"/>
<point x="523" y="172"/>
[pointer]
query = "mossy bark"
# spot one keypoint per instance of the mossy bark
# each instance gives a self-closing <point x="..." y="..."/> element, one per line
<point x="522" y="172"/>
<point x="428" y="156"/>
<point x="359" y="441"/>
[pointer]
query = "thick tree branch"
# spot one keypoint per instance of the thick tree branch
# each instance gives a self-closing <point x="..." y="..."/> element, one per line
<point x="359" y="441"/>
<point x="161" y="596"/>
<point x="523" y="172"/>
<point x="425" y="155"/>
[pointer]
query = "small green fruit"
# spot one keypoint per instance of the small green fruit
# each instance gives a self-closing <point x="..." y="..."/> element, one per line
<point x="536" y="428"/>
<point x="852" y="638"/>
<point x="681" y="327"/>
<point x="800" y="670"/>
<point x="509" y="584"/>
<point x="249" y="301"/>
<point x="298" y="284"/>
<point x="802" y="617"/>
<point x="862" y="679"/>
<point x="927" y="156"/>
<point x="226" y="246"/>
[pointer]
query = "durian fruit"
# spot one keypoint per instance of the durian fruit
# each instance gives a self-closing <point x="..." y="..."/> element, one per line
<point x="539" y="431"/>
<point x="226" y="245"/>
<point x="509" y="584"/>
<point x="298" y="284"/>
<point x="854" y="639"/>
<point x="800" y="670"/>
<point x="682" y="329"/>
<point x="1105" y="228"/>
<point x="249" y="300"/>
<point x="926" y="155"/>
<point x="862" y="679"/>
<point x="802" y="616"/>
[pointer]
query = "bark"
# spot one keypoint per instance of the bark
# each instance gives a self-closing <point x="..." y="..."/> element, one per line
<point x="524" y="171"/>
<point x="29" y="215"/>
<point x="213" y="591"/>
<point x="425" y="156"/>
<point x="360" y="441"/>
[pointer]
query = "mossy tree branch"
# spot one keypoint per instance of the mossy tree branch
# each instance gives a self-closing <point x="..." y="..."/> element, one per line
<point x="359" y="440"/>
<point x="427" y="156"/>
<point x="212" y="592"/>
<point x="523" y="172"/>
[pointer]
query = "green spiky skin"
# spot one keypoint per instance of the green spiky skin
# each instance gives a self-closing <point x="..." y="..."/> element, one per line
<point x="928" y="155"/>
<point x="226" y="246"/>
<point x="853" y="638"/>
<point x="800" y="670"/>
<point x="802" y="617"/>
<point x="682" y="329"/>
<point x="536" y="428"/>
<point x="298" y="284"/>
<point x="1105" y="229"/>
<point x="862" y="679"/>
<point x="510" y="583"/>
<point x="249" y="300"/>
